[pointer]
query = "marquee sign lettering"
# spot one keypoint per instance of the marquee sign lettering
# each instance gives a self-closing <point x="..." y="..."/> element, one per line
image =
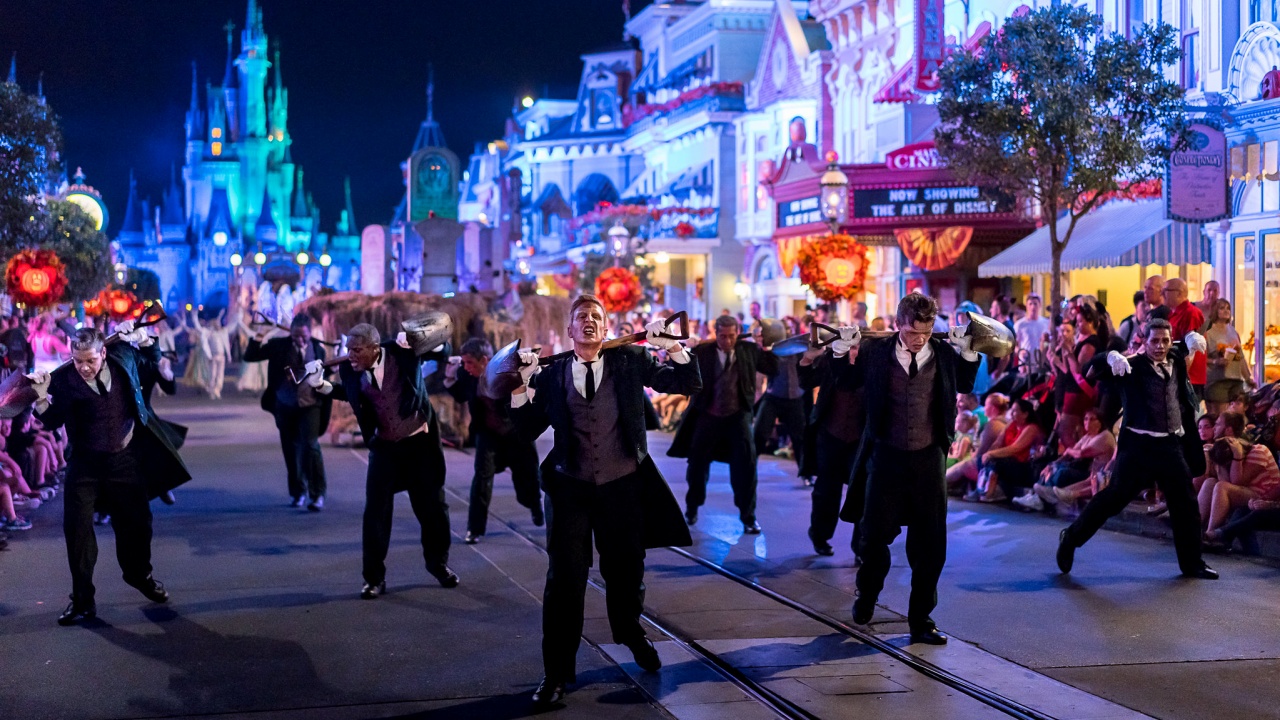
<point x="917" y="156"/>
<point x="799" y="212"/>
<point x="928" y="203"/>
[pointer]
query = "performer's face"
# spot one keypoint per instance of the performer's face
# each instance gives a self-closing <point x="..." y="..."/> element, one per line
<point x="301" y="335"/>
<point x="915" y="336"/>
<point x="1158" y="343"/>
<point x="586" y="327"/>
<point x="363" y="355"/>
<point x="726" y="337"/>
<point x="89" y="362"/>
<point x="475" y="366"/>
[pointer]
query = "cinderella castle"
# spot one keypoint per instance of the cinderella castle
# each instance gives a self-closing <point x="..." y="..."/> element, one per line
<point x="240" y="213"/>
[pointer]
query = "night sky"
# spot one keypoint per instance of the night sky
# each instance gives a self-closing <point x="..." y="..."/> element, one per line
<point x="119" y="76"/>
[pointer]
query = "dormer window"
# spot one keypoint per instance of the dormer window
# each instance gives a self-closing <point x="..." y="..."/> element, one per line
<point x="602" y="108"/>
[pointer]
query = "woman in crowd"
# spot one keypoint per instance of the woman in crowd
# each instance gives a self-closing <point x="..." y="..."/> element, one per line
<point x="1076" y="464"/>
<point x="1078" y="343"/>
<point x="1009" y="462"/>
<point x="253" y="375"/>
<point x="1242" y="472"/>
<point x="964" y="473"/>
<point x="48" y="342"/>
<point x="198" y="370"/>
<point x="1228" y="370"/>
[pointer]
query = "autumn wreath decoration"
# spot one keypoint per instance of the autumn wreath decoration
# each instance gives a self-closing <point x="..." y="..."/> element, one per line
<point x="120" y="304"/>
<point x="619" y="289"/>
<point x="834" y="267"/>
<point x="685" y="230"/>
<point x="36" y="278"/>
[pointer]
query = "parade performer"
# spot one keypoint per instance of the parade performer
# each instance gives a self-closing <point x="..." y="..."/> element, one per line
<point x="717" y="424"/>
<point x="498" y="445"/>
<point x="910" y="381"/>
<point x="837" y="421"/>
<point x="1158" y="441"/>
<point x="599" y="481"/>
<point x="383" y="383"/>
<point x="301" y="414"/>
<point x="119" y="458"/>
<point x="160" y="374"/>
<point x="783" y="402"/>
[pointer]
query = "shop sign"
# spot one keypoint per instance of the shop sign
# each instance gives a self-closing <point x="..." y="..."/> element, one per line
<point x="930" y="45"/>
<point x="803" y="211"/>
<point x="928" y="203"/>
<point x="917" y="156"/>
<point x="1198" y="189"/>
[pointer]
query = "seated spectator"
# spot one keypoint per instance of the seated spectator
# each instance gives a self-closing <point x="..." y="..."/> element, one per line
<point x="1262" y="515"/>
<point x="966" y="434"/>
<point x="963" y="474"/>
<point x="1008" y="464"/>
<point x="1077" y="463"/>
<point x="1242" y="472"/>
<point x="968" y="402"/>
<point x="1088" y="487"/>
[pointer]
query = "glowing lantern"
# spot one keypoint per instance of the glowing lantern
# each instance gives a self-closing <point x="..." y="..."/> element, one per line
<point x="36" y="281"/>
<point x="840" y="272"/>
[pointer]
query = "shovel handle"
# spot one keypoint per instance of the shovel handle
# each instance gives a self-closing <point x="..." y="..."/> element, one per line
<point x="816" y="341"/>
<point x="682" y="334"/>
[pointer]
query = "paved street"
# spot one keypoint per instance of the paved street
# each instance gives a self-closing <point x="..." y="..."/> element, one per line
<point x="265" y="621"/>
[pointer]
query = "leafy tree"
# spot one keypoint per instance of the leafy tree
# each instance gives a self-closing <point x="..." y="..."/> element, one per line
<point x="69" y="231"/>
<point x="29" y="159"/>
<point x="1051" y="107"/>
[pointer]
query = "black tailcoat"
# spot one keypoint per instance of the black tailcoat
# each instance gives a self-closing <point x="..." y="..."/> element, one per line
<point x="276" y="352"/>
<point x="749" y="359"/>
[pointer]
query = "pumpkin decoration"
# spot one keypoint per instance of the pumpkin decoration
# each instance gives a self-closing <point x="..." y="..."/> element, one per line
<point x="834" y="267"/>
<point x="36" y="278"/>
<point x="619" y="289"/>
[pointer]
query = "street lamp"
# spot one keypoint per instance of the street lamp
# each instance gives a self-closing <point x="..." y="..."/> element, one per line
<point x="835" y="193"/>
<point x="619" y="240"/>
<point x="236" y="259"/>
<point x="303" y="259"/>
<point x="122" y="273"/>
<point x="325" y="260"/>
<point x="260" y="258"/>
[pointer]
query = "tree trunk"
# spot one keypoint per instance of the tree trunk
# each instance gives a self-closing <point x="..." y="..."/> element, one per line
<point x="1055" y="273"/>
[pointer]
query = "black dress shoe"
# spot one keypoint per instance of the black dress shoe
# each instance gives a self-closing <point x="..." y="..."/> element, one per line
<point x="863" y="611"/>
<point x="691" y="517"/>
<point x="1066" y="552"/>
<point x="1204" y="573"/>
<point x="822" y="547"/>
<point x="751" y="528"/>
<point x="372" y="592"/>
<point x="538" y="518"/>
<point x="645" y="654"/>
<point x="77" y="613"/>
<point x="549" y="693"/>
<point x="447" y="578"/>
<point x="153" y="590"/>
<point x="928" y="636"/>
<point x="471" y="538"/>
<point x="297" y="501"/>
<point x="167" y="497"/>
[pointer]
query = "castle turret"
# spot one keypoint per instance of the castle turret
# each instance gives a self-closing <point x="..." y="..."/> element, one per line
<point x="13" y="69"/>
<point x="131" y="232"/>
<point x="253" y="65"/>
<point x="230" y="101"/>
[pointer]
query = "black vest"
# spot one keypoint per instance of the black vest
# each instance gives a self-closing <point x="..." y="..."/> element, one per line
<point x="847" y="416"/>
<point x="724" y="393"/>
<point x="101" y="423"/>
<point x="910" y="425"/>
<point x="1154" y="407"/>
<point x="385" y="401"/>
<point x="596" y="453"/>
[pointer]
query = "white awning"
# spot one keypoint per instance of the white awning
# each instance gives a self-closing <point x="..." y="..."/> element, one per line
<point x="1118" y="234"/>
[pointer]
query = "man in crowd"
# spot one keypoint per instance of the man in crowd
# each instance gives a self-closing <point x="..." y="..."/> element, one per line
<point x="301" y="414"/>
<point x="837" y="422"/>
<point x="717" y="424"/>
<point x="1158" y="441"/>
<point x="600" y="481"/>
<point x="910" y="382"/>
<point x="1031" y="330"/>
<point x="1186" y="318"/>
<point x="1153" y="291"/>
<point x="1212" y="291"/>
<point x="118" y="459"/>
<point x="383" y="383"/>
<point x="498" y="445"/>
<point x="1129" y="326"/>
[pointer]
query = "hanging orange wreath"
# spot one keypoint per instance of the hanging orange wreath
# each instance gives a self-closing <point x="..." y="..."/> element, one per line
<point x="619" y="289"/>
<point x="120" y="304"/>
<point x="36" y="278"/>
<point x="834" y="267"/>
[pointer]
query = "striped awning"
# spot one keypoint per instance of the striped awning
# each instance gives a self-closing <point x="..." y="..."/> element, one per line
<point x="1118" y="234"/>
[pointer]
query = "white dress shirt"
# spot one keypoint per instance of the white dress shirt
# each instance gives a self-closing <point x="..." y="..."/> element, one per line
<point x="377" y="372"/>
<point x="904" y="356"/>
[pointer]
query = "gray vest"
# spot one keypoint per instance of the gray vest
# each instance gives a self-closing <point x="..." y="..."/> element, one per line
<point x="596" y="452"/>
<point x="910" y="421"/>
<point x="724" y="392"/>
<point x="847" y="415"/>
<point x="1164" y="414"/>
<point x="386" y="403"/>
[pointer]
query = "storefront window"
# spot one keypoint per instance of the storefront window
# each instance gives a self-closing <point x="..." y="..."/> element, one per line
<point x="1247" y="298"/>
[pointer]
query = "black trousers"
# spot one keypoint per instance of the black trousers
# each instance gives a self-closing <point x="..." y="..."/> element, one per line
<point x="1139" y="460"/>
<point x="790" y="412"/>
<point x="492" y="452"/>
<point x="576" y="512"/>
<point x="734" y="434"/>
<point x="835" y="461"/>
<point x="109" y="483"/>
<point x="905" y="488"/>
<point x="414" y="464"/>
<point x="300" y="441"/>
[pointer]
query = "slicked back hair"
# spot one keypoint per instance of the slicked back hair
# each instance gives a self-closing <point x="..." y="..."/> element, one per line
<point x="476" y="348"/>
<point x="586" y="299"/>
<point x="726" y="321"/>
<point x="916" y="307"/>
<point x="88" y="339"/>
<point x="363" y="334"/>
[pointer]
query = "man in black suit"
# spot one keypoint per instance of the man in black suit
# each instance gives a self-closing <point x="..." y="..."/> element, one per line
<point x="1158" y="441"/>
<point x="301" y="414"/>
<point x="837" y="420"/>
<point x="599" y="481"/>
<point x="910" y="381"/>
<point x="118" y="459"/>
<point x="717" y="423"/>
<point x="498" y="445"/>
<point x="383" y="383"/>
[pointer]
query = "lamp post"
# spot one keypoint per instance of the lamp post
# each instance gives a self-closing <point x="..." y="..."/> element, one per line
<point x="835" y="193"/>
<point x="619" y="240"/>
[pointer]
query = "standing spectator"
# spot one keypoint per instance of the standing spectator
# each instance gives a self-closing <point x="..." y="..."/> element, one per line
<point x="1212" y="292"/>
<point x="1078" y="344"/>
<point x="1129" y="326"/>
<point x="1185" y="318"/>
<point x="1031" y="330"/>
<point x="1002" y="310"/>
<point x="1153" y="291"/>
<point x="1228" y="365"/>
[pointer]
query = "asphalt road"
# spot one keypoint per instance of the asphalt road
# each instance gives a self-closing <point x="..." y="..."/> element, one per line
<point x="265" y="621"/>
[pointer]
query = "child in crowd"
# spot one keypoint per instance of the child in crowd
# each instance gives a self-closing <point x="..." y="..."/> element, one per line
<point x="966" y="437"/>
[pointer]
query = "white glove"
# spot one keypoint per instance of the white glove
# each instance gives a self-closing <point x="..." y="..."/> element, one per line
<point x="166" y="369"/>
<point x="528" y="365"/>
<point x="653" y="336"/>
<point x="1119" y="364"/>
<point x="402" y="339"/>
<point x="129" y="334"/>
<point x="848" y="340"/>
<point x="40" y="381"/>
<point x="315" y="367"/>
<point x="1195" y="343"/>
<point x="125" y="327"/>
<point x="962" y="342"/>
<point x="451" y="369"/>
<point x="316" y="380"/>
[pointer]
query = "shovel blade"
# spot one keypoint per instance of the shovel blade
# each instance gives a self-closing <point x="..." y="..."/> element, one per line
<point x="794" y="345"/>
<point x="428" y="332"/>
<point x="16" y="394"/>
<point x="502" y="375"/>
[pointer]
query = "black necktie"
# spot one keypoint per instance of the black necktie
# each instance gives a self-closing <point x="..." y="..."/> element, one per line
<point x="591" y="381"/>
<point x="102" y="389"/>
<point x="373" y="380"/>
<point x="914" y="370"/>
